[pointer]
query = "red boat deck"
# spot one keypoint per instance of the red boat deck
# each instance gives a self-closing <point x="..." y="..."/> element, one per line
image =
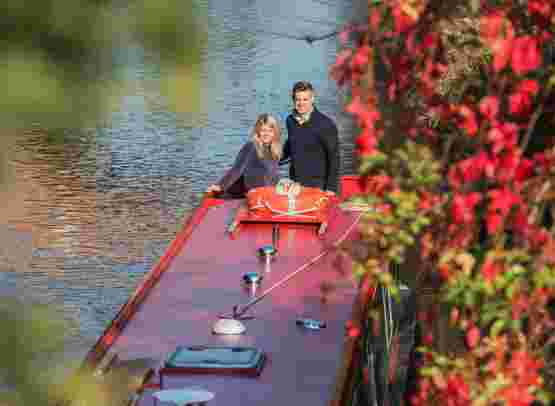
<point x="202" y="278"/>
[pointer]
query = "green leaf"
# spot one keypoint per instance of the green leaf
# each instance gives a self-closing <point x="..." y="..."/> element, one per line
<point x="545" y="397"/>
<point x="359" y="270"/>
<point x="516" y="324"/>
<point x="551" y="81"/>
<point x="469" y="298"/>
<point x="442" y="360"/>
<point x="430" y="371"/>
<point x="497" y="327"/>
<point x="414" y="227"/>
<point x="365" y="166"/>
<point x="510" y="290"/>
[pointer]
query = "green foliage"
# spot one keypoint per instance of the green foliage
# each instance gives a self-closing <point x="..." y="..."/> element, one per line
<point x="58" y="56"/>
<point x="31" y="336"/>
<point x="395" y="220"/>
<point x="483" y="243"/>
<point x="31" y="370"/>
<point x="469" y="289"/>
<point x="372" y="162"/>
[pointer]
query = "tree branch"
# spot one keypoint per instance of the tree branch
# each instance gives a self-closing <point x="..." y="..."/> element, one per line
<point x="447" y="149"/>
<point x="526" y="140"/>
<point x="532" y="218"/>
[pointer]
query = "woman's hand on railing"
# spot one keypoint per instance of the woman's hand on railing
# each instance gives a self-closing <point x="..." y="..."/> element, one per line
<point x="214" y="190"/>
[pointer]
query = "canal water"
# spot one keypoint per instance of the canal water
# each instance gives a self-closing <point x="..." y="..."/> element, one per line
<point x="82" y="221"/>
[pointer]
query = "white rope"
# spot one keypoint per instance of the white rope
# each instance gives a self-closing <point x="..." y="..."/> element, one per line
<point x="299" y="213"/>
<point x="298" y="270"/>
<point x="289" y="213"/>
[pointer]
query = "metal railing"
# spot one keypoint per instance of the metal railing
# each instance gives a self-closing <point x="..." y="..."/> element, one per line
<point x="389" y="348"/>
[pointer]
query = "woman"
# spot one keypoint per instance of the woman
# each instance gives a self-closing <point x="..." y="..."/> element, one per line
<point x="257" y="162"/>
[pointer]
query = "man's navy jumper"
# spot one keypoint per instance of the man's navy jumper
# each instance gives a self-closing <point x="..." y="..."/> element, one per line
<point x="314" y="151"/>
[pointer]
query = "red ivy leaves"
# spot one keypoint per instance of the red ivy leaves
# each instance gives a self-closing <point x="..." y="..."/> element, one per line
<point x="471" y="170"/>
<point x="366" y="143"/>
<point x="466" y="119"/>
<point x="525" y="55"/>
<point x="403" y="22"/>
<point x="497" y="32"/>
<point x="501" y="202"/>
<point x="487" y="183"/>
<point x="503" y="137"/>
<point x="463" y="207"/>
<point x="541" y="8"/>
<point x="520" y="302"/>
<point x="523" y="371"/>
<point x="377" y="185"/>
<point x="529" y="86"/>
<point x="520" y="101"/>
<point x="430" y="74"/>
<point x="489" y="107"/>
<point x="473" y="337"/>
<point x="457" y="391"/>
<point x="544" y="162"/>
<point x="520" y="104"/>
<point x="490" y="270"/>
<point x="453" y="390"/>
<point x="365" y="115"/>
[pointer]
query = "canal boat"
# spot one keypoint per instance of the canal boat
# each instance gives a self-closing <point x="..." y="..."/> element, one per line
<point x="282" y="285"/>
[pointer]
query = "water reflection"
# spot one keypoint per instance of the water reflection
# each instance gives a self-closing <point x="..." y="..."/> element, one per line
<point x="83" y="220"/>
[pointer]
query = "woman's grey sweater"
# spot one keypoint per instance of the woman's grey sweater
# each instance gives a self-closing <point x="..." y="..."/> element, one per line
<point x="251" y="170"/>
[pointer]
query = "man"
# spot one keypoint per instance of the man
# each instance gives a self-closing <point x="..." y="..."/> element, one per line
<point x="312" y="144"/>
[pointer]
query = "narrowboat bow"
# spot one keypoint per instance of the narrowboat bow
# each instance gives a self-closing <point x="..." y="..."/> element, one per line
<point x="294" y="306"/>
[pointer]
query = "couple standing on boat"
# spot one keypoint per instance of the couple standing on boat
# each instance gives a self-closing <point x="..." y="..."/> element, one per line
<point x="311" y="149"/>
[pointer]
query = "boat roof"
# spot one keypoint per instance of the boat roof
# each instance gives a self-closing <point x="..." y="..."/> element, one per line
<point x="200" y="278"/>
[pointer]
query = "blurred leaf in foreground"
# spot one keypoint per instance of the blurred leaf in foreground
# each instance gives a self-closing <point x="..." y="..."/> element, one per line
<point x="31" y="370"/>
<point x="58" y="56"/>
<point x="30" y="340"/>
<point x="176" y="30"/>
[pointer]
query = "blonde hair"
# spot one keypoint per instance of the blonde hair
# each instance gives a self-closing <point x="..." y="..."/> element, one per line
<point x="275" y="146"/>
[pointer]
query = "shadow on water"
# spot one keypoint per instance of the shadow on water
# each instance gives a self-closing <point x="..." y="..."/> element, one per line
<point x="86" y="213"/>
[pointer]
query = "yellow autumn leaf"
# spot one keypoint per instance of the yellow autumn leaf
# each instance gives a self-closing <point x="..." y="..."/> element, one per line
<point x="465" y="261"/>
<point x="412" y="8"/>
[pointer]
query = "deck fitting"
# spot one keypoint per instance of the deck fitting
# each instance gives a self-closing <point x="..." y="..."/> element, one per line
<point x="267" y="253"/>
<point x="225" y="326"/>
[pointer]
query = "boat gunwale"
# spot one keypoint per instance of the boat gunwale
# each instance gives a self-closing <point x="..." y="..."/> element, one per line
<point x="352" y="351"/>
<point x="341" y="390"/>
<point x="129" y="308"/>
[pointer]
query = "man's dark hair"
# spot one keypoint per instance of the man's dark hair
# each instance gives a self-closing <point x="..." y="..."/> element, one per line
<point x="301" y="86"/>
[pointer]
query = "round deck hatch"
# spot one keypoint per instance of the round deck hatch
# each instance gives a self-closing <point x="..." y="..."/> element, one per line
<point x="182" y="397"/>
<point x="228" y="327"/>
